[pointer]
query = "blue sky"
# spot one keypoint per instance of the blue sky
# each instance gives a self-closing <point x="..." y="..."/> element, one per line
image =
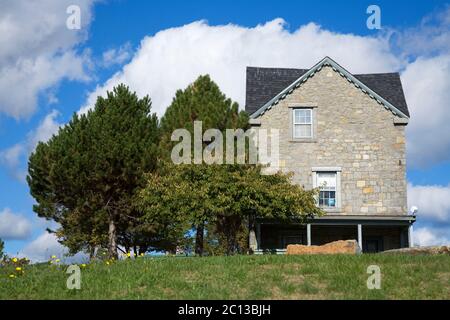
<point x="48" y="72"/>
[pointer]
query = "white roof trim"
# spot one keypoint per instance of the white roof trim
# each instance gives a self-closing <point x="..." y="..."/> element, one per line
<point x="327" y="61"/>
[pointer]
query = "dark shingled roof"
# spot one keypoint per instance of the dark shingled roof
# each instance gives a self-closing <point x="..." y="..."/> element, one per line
<point x="388" y="86"/>
<point x="265" y="83"/>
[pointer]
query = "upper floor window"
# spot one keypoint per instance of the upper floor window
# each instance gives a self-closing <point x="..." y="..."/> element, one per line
<point x="303" y="123"/>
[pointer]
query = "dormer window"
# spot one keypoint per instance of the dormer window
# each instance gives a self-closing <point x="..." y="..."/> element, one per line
<point x="302" y="123"/>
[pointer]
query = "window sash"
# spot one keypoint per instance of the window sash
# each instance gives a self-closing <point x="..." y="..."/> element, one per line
<point x="302" y="123"/>
<point x="327" y="184"/>
<point x="327" y="199"/>
<point x="326" y="179"/>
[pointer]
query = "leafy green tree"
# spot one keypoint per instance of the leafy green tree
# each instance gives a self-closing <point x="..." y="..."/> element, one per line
<point x="200" y="101"/>
<point x="243" y="193"/>
<point x="230" y="197"/>
<point x="165" y="203"/>
<point x="86" y="175"/>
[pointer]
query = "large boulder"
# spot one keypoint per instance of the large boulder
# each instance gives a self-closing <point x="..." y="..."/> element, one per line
<point x="432" y="250"/>
<point x="336" y="247"/>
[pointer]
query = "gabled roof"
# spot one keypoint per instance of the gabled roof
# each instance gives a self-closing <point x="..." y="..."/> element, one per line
<point x="266" y="86"/>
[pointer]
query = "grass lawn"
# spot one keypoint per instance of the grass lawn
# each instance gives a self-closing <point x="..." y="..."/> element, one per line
<point x="240" y="277"/>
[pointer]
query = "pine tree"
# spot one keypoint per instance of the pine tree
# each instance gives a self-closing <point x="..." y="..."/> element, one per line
<point x="85" y="176"/>
<point x="200" y="101"/>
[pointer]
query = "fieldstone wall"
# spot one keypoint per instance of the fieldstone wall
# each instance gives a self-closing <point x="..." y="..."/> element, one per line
<point x="351" y="131"/>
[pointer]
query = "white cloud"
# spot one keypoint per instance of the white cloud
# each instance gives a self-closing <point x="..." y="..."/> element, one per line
<point x="38" y="50"/>
<point x="12" y="156"/>
<point x="433" y="217"/>
<point x="426" y="236"/>
<point x="173" y="58"/>
<point x="14" y="226"/>
<point x="117" y="55"/>
<point x="44" y="131"/>
<point x="430" y="38"/>
<point x="426" y="82"/>
<point x="433" y="202"/>
<point x="46" y="245"/>
<point x="427" y="88"/>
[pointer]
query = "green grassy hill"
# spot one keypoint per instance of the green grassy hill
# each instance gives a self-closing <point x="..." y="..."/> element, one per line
<point x="239" y="277"/>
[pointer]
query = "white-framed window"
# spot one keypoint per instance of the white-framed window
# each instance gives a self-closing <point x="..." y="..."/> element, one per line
<point x="302" y="123"/>
<point x="327" y="183"/>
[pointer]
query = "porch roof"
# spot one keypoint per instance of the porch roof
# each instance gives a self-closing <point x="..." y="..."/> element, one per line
<point x="355" y="219"/>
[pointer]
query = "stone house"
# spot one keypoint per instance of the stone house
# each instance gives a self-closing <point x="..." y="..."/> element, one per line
<point x="345" y="134"/>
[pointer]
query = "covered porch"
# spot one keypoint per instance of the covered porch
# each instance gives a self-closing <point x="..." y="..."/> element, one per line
<point x="373" y="233"/>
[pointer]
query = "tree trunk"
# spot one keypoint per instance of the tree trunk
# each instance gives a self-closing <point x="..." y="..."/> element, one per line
<point x="142" y="250"/>
<point x="92" y="250"/>
<point x="235" y="223"/>
<point x="112" y="237"/>
<point x="199" y="239"/>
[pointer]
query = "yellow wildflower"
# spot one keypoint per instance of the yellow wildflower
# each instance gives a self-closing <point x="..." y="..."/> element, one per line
<point x="83" y="265"/>
<point x="107" y="262"/>
<point x="57" y="260"/>
<point x="14" y="260"/>
<point x="18" y="269"/>
<point x="128" y="254"/>
<point x="12" y="275"/>
<point x="142" y="254"/>
<point x="53" y="257"/>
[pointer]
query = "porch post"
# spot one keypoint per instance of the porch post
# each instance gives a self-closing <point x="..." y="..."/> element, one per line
<point x="410" y="236"/>
<point x="308" y="233"/>
<point x="253" y="243"/>
<point x="360" y="237"/>
<point x="258" y="236"/>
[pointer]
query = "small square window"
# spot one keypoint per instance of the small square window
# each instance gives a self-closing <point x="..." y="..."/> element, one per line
<point x="302" y="123"/>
